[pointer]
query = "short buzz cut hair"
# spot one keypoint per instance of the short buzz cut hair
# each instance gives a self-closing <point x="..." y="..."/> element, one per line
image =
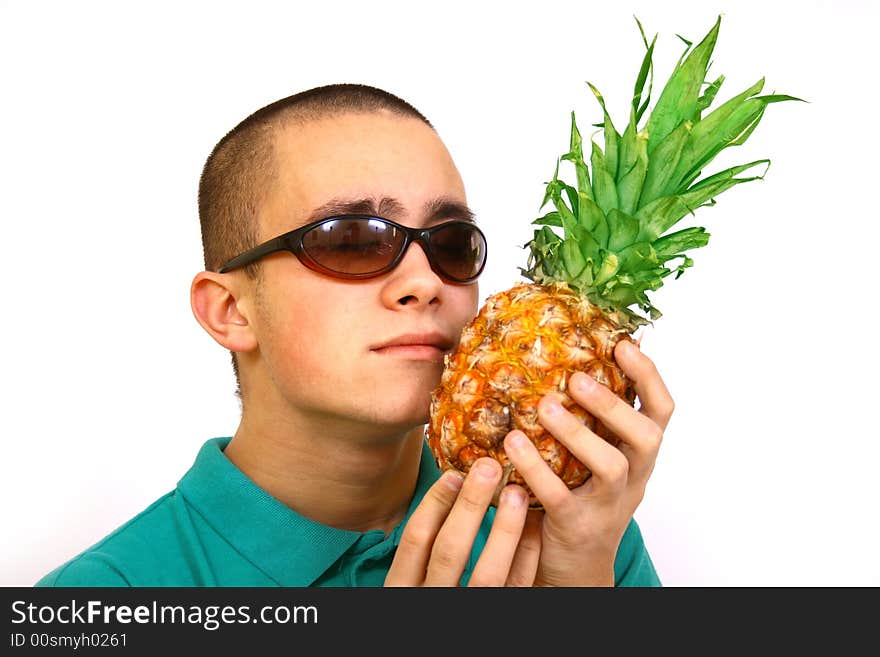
<point x="241" y="168"/>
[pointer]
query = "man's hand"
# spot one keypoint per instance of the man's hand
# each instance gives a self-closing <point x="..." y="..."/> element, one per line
<point x="437" y="541"/>
<point x="581" y="528"/>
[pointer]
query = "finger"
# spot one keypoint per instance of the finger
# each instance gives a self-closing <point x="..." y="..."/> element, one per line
<point x="553" y="494"/>
<point x="654" y="397"/>
<point x="494" y="564"/>
<point x="609" y="466"/>
<point x="637" y="431"/>
<point x="411" y="559"/>
<point x="455" y="539"/>
<point x="528" y="552"/>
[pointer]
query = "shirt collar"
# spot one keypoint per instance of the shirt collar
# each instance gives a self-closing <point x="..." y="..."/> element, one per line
<point x="290" y="548"/>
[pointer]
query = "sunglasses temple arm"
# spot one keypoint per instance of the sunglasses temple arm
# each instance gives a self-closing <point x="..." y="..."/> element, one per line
<point x="254" y="254"/>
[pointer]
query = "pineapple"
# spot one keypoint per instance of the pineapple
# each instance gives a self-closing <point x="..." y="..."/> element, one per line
<point x="588" y="286"/>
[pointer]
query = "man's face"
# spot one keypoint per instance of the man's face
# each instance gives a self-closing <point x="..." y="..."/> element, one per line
<point x="321" y="339"/>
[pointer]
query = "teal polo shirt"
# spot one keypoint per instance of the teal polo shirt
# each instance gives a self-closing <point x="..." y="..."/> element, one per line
<point x="218" y="528"/>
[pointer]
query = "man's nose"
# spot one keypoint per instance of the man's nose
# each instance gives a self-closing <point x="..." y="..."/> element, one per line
<point x="413" y="282"/>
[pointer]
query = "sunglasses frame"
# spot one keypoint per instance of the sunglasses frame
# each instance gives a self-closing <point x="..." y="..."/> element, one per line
<point x="293" y="242"/>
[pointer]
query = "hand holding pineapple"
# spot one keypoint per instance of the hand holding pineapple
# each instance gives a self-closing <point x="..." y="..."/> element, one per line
<point x="581" y="528"/>
<point x="573" y="542"/>
<point x="439" y="536"/>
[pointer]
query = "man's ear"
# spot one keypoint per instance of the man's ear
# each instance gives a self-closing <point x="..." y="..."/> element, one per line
<point x="214" y="301"/>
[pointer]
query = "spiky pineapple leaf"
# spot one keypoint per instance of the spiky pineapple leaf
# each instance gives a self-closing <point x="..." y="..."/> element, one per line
<point x="589" y="245"/>
<point x="623" y="230"/>
<point x="608" y="266"/>
<point x="552" y="218"/>
<point x="712" y="134"/>
<point x="663" y="162"/>
<point x="594" y="221"/>
<point x="638" y="256"/>
<point x="678" y="100"/>
<point x="728" y="175"/>
<point x="576" y="156"/>
<point x="646" y="70"/>
<point x="615" y="245"/>
<point x="604" y="189"/>
<point x="674" y="244"/>
<point x="628" y="148"/>
<point x="572" y="258"/>
<point x="612" y="138"/>
<point x="631" y="182"/>
<point x="704" y="101"/>
<point x="661" y="215"/>
<point x="555" y="189"/>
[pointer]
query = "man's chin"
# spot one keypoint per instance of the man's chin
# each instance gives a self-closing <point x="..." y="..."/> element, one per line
<point x="404" y="418"/>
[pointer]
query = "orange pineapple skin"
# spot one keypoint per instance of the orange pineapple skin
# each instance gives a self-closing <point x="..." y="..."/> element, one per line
<point x="524" y="343"/>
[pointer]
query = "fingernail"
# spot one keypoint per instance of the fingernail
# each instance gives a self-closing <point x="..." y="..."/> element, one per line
<point x="453" y="479"/>
<point x="487" y="469"/>
<point x="552" y="407"/>
<point x="512" y="497"/>
<point x="517" y="440"/>
<point x="583" y="382"/>
<point x="627" y="347"/>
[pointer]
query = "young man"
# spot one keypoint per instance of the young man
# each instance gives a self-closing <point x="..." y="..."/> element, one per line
<point x="338" y="332"/>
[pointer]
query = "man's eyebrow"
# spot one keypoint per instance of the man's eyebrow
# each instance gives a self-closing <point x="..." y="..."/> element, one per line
<point x="390" y="208"/>
<point x="446" y="208"/>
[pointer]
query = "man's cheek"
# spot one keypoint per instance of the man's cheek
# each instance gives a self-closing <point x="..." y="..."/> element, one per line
<point x="322" y="350"/>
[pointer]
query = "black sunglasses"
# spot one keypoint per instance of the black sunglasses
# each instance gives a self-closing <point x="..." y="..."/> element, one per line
<point x="363" y="246"/>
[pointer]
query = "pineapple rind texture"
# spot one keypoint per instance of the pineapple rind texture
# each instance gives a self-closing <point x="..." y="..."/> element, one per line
<point x="524" y="343"/>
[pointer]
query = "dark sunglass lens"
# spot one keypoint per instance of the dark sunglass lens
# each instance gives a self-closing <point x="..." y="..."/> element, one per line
<point x="354" y="245"/>
<point x="459" y="250"/>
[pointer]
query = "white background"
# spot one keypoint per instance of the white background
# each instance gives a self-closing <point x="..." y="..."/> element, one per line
<point x="767" y="475"/>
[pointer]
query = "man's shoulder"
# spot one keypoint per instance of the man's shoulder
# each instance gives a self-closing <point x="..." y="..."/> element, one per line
<point x="633" y="565"/>
<point x="127" y="553"/>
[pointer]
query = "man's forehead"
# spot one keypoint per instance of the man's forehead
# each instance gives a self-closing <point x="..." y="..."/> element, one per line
<point x="375" y="164"/>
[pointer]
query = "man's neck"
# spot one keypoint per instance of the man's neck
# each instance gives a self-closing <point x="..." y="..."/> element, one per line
<point x="330" y="478"/>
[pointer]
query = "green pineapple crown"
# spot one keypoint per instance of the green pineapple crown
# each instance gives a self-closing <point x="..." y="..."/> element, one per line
<point x="615" y="245"/>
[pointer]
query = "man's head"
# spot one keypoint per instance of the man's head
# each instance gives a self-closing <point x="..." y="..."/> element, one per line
<point x="300" y="335"/>
<point x="242" y="167"/>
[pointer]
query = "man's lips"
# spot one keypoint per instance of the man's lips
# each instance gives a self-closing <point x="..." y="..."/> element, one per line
<point x="430" y="346"/>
